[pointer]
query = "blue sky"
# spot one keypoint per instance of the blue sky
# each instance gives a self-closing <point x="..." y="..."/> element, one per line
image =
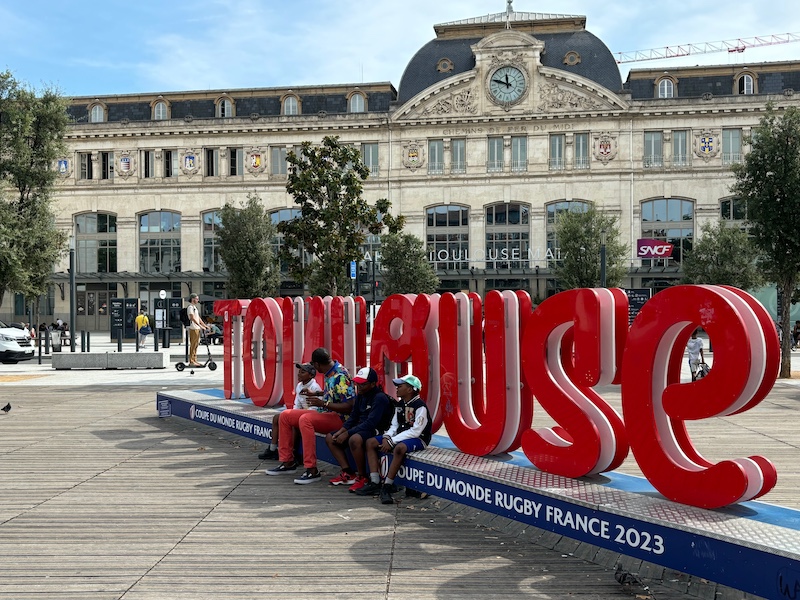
<point x="148" y="46"/>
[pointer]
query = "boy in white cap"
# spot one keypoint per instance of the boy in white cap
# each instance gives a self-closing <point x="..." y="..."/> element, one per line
<point x="410" y="431"/>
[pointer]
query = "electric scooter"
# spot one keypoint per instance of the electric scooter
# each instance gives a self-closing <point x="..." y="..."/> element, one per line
<point x="212" y="366"/>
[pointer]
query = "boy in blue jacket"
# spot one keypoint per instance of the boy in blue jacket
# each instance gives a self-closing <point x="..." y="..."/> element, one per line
<point x="370" y="416"/>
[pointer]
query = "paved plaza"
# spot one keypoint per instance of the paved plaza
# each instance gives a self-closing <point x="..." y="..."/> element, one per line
<point x="101" y="499"/>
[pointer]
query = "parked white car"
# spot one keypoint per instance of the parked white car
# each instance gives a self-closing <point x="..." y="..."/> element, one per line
<point x="15" y="345"/>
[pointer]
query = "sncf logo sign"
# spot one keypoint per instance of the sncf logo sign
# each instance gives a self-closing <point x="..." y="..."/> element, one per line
<point x="653" y="249"/>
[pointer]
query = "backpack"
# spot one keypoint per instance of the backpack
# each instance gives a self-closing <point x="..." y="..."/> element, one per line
<point x="185" y="317"/>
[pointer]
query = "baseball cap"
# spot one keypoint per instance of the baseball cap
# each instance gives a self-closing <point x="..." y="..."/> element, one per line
<point x="366" y="375"/>
<point x="307" y="367"/>
<point x="410" y="380"/>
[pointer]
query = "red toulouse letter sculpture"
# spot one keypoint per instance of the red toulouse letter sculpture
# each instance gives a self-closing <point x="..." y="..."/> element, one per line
<point x="656" y="405"/>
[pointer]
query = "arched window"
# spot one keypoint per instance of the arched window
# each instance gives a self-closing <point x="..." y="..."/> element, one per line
<point x="159" y="242"/>
<point x="554" y="209"/>
<point x="666" y="88"/>
<point x="224" y="107"/>
<point x="745" y="84"/>
<point x="160" y="111"/>
<point x="447" y="236"/>
<point x="277" y="216"/>
<point x="98" y="114"/>
<point x="291" y="106"/>
<point x="212" y="223"/>
<point x="357" y="103"/>
<point x="96" y="243"/>
<point x="507" y="236"/>
<point x="670" y="220"/>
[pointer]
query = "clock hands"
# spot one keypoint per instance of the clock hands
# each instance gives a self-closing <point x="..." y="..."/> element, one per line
<point x="501" y="82"/>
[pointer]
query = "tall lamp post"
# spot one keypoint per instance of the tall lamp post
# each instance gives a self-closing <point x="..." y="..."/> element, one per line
<point x="73" y="294"/>
<point x="602" y="258"/>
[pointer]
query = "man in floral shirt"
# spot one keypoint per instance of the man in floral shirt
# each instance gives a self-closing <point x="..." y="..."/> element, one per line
<point x="326" y="411"/>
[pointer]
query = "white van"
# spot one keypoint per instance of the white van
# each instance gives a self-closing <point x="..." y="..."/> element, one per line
<point x="15" y="345"/>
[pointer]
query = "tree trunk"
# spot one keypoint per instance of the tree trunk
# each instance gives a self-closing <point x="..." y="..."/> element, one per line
<point x="785" y="290"/>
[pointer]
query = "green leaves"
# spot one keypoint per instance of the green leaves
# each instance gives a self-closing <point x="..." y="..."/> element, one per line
<point x="405" y="267"/>
<point x="723" y="255"/>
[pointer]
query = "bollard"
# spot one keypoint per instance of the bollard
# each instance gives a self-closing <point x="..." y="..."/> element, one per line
<point x="119" y="340"/>
<point x="88" y="336"/>
<point x="187" y="346"/>
<point x="155" y="340"/>
<point x="39" y="345"/>
<point x="46" y="342"/>
<point x="83" y="341"/>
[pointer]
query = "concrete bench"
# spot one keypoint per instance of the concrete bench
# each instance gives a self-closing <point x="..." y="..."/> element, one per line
<point x="111" y="360"/>
<point x="602" y="512"/>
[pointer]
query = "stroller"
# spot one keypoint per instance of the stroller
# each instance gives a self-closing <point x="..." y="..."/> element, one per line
<point x="212" y="366"/>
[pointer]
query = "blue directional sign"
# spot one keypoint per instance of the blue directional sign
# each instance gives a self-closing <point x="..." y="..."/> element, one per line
<point x="352" y="269"/>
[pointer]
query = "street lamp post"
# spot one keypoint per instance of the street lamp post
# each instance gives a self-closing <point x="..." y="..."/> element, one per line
<point x="602" y="258"/>
<point x="73" y="294"/>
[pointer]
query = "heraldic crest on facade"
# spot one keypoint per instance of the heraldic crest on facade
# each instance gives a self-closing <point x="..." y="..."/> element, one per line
<point x="190" y="162"/>
<point x="64" y="167"/>
<point x="255" y="162"/>
<point x="605" y="146"/>
<point x="460" y="102"/>
<point x="126" y="164"/>
<point x="413" y="155"/>
<point x="706" y="144"/>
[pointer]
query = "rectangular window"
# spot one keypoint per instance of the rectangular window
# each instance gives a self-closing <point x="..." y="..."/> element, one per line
<point x="680" y="148"/>
<point x="458" y="156"/>
<point x="519" y="153"/>
<point x="581" y="144"/>
<point x="494" y="161"/>
<point x="278" y="160"/>
<point x="653" y="149"/>
<point x="235" y="162"/>
<point x="557" y="143"/>
<point x="148" y="164"/>
<point x="86" y="165"/>
<point x="107" y="165"/>
<point x="170" y="163"/>
<point x="731" y="146"/>
<point x="212" y="162"/>
<point x="435" y="157"/>
<point x="369" y="154"/>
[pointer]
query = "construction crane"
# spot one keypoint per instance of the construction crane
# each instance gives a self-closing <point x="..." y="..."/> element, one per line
<point x="738" y="45"/>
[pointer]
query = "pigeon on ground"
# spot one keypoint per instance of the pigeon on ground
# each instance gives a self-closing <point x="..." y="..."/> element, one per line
<point x="6" y="408"/>
<point x="631" y="583"/>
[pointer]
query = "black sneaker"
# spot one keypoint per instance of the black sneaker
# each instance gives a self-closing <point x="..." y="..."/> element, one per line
<point x="308" y="477"/>
<point x="370" y="489"/>
<point x="282" y="469"/>
<point x="268" y="454"/>
<point x="386" y="494"/>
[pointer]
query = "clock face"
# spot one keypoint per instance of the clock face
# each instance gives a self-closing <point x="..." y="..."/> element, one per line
<point x="507" y="85"/>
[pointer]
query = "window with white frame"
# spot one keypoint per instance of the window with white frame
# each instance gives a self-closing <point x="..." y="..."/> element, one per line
<point x="666" y="88"/>
<point x="160" y="111"/>
<point x="680" y="148"/>
<point x="291" y="106"/>
<point x="148" y="164"/>
<point x="507" y="236"/>
<point x="86" y="166"/>
<point x="557" y="144"/>
<point x="581" y="147"/>
<point x="98" y="114"/>
<point x="458" y="155"/>
<point x="357" y="103"/>
<point x="235" y="161"/>
<point x="212" y="162"/>
<point x="106" y="165"/>
<point x="170" y="163"/>
<point x="435" y="157"/>
<point x="224" y="108"/>
<point x="96" y="243"/>
<point x="447" y="236"/>
<point x="519" y="153"/>
<point x="494" y="155"/>
<point x="653" y="149"/>
<point x="745" y="84"/>
<point x="731" y="146"/>
<point x="278" y="162"/>
<point x="369" y="155"/>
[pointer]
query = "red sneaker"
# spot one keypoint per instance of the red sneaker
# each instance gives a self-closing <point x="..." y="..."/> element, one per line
<point x="359" y="483"/>
<point x="343" y="478"/>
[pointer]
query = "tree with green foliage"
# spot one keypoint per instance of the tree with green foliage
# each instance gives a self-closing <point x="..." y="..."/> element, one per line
<point x="245" y="245"/>
<point x="32" y="129"/>
<point x="768" y="180"/>
<point x="723" y="255"/>
<point x="579" y="234"/>
<point x="405" y="266"/>
<point x="326" y="182"/>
